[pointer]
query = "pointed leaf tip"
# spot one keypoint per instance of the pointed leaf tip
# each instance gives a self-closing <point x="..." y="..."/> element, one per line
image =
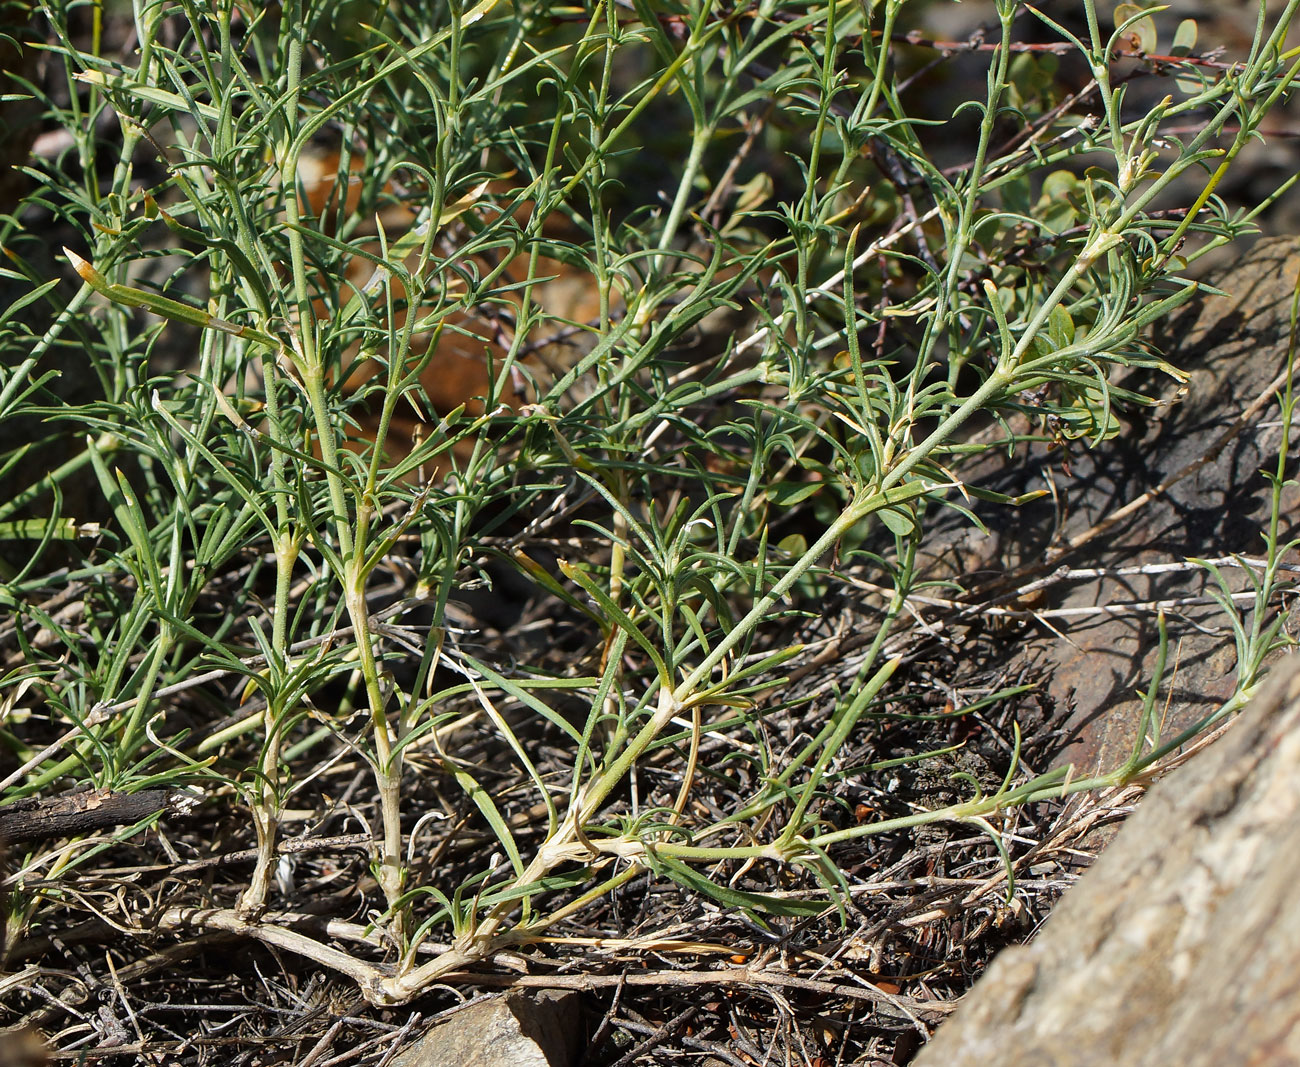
<point x="88" y="273"/>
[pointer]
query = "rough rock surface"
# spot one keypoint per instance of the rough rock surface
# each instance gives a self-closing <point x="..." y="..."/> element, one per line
<point x="1182" y="944"/>
<point x="515" y="1030"/>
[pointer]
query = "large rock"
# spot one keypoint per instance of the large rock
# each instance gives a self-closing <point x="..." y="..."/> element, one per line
<point x="1181" y="945"/>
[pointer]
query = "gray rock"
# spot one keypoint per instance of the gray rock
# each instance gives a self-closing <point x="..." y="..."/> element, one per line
<point x="1182" y="944"/>
<point x="540" y="1029"/>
